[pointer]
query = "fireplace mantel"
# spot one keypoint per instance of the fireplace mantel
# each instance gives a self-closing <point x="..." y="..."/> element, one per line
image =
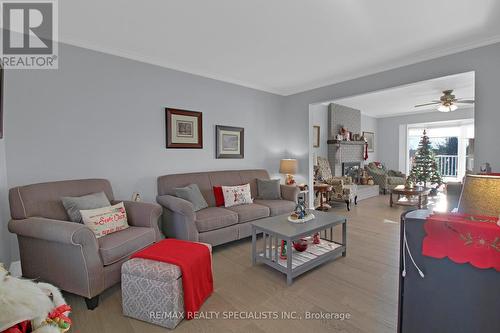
<point x="344" y="142"/>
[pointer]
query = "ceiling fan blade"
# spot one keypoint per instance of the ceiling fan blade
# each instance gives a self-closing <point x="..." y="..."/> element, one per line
<point x="427" y="104"/>
<point x="466" y="101"/>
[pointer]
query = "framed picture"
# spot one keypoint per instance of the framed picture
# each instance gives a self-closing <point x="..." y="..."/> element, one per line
<point x="229" y="142"/>
<point x="184" y="129"/>
<point x="370" y="139"/>
<point x="316" y="133"/>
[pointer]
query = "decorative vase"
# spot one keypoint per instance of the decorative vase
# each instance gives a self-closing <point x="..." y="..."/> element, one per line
<point x="300" y="245"/>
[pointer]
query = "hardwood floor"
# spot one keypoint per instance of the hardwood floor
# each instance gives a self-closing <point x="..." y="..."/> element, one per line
<point x="363" y="284"/>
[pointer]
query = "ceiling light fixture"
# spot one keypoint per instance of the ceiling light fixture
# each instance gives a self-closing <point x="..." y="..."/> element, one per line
<point x="447" y="108"/>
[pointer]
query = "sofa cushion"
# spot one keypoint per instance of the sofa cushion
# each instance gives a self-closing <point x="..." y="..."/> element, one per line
<point x="74" y="205"/>
<point x="250" y="212"/>
<point x="192" y="194"/>
<point x="277" y="207"/>
<point x="269" y="189"/>
<point x="119" y="245"/>
<point x="212" y="218"/>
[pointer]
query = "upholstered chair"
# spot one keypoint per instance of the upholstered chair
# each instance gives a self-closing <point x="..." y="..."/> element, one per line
<point x="343" y="188"/>
<point x="67" y="254"/>
<point x="385" y="179"/>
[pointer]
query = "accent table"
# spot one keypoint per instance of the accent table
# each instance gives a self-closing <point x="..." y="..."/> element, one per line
<point x="277" y="228"/>
<point x="418" y="191"/>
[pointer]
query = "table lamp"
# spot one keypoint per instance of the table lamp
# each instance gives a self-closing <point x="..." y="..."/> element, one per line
<point x="480" y="195"/>
<point x="289" y="167"/>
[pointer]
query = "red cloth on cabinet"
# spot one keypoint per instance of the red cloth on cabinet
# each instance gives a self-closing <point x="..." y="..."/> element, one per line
<point x="463" y="239"/>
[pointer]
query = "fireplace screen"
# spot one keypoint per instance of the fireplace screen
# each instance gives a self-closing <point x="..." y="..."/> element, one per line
<point x="353" y="170"/>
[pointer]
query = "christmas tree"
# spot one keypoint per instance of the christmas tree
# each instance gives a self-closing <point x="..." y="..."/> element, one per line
<point x="425" y="167"/>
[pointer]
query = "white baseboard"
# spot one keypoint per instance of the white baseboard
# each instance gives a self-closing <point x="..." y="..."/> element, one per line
<point x="15" y="269"/>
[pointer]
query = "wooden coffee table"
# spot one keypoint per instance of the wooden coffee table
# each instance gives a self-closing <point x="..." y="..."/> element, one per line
<point x="420" y="192"/>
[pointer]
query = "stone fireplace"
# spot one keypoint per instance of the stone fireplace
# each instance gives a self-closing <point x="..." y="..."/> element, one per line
<point x="344" y="153"/>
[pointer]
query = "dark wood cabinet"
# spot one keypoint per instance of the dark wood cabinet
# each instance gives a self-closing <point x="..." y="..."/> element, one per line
<point x="451" y="298"/>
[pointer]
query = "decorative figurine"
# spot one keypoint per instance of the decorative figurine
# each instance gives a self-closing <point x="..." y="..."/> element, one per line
<point x="300" y="208"/>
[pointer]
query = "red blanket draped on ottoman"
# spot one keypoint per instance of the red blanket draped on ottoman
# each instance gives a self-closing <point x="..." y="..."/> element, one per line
<point x="195" y="262"/>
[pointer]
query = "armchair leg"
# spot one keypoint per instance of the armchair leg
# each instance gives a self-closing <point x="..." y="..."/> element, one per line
<point x="356" y="200"/>
<point x="385" y="191"/>
<point x="92" y="303"/>
<point x="348" y="202"/>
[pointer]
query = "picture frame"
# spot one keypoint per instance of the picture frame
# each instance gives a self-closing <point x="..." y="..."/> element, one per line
<point x="316" y="136"/>
<point x="229" y="142"/>
<point x="370" y="140"/>
<point x="184" y="129"/>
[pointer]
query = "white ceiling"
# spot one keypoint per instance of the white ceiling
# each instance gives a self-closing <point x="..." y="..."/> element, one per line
<point x="401" y="100"/>
<point x="280" y="46"/>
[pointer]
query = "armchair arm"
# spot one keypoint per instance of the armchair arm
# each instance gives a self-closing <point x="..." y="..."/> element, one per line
<point x="55" y="231"/>
<point x="394" y="173"/>
<point x="290" y="192"/>
<point x="143" y="214"/>
<point x="178" y="218"/>
<point x="63" y="253"/>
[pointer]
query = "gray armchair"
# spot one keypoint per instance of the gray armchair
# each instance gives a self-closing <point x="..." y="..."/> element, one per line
<point x="386" y="179"/>
<point x="67" y="254"/>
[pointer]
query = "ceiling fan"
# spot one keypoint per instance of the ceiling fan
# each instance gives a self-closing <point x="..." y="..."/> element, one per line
<point x="448" y="102"/>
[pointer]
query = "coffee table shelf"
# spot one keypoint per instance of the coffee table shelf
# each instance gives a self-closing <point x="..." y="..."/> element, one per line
<point x="278" y="228"/>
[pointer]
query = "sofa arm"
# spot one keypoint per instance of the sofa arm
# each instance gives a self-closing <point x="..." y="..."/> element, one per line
<point x="178" y="219"/>
<point x="143" y="214"/>
<point x="177" y="205"/>
<point x="55" y="231"/>
<point x="290" y="192"/>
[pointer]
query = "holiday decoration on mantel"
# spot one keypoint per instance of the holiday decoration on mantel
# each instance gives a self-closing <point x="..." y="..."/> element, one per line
<point x="425" y="169"/>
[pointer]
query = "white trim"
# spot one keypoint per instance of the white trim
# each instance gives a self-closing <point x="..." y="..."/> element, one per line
<point x="162" y="62"/>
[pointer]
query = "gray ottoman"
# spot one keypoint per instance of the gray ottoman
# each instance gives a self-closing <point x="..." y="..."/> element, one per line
<point x="152" y="291"/>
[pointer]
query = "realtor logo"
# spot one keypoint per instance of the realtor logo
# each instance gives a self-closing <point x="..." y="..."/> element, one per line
<point x="29" y="34"/>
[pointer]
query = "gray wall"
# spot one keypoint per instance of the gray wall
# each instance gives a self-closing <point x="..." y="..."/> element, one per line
<point x="103" y="116"/>
<point x="389" y="138"/>
<point x="485" y="61"/>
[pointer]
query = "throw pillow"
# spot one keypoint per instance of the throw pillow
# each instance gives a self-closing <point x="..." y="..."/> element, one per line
<point x="106" y="220"/>
<point x="74" y="205"/>
<point x="269" y="189"/>
<point x="192" y="194"/>
<point x="237" y="195"/>
<point x="219" y="196"/>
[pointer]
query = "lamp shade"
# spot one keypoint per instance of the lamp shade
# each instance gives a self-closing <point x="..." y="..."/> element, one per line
<point x="480" y="195"/>
<point x="288" y="166"/>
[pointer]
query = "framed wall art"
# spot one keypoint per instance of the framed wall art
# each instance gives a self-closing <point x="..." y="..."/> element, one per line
<point x="184" y="129"/>
<point x="229" y="142"/>
<point x="316" y="135"/>
<point x="370" y="139"/>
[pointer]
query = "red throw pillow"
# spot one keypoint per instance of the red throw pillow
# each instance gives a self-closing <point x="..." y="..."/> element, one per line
<point x="219" y="196"/>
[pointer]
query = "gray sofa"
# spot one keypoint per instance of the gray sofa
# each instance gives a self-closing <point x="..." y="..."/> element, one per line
<point x="217" y="225"/>
<point x="68" y="254"/>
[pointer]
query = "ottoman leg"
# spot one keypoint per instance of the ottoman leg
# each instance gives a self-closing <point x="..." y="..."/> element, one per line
<point x="356" y="200"/>
<point x="92" y="303"/>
